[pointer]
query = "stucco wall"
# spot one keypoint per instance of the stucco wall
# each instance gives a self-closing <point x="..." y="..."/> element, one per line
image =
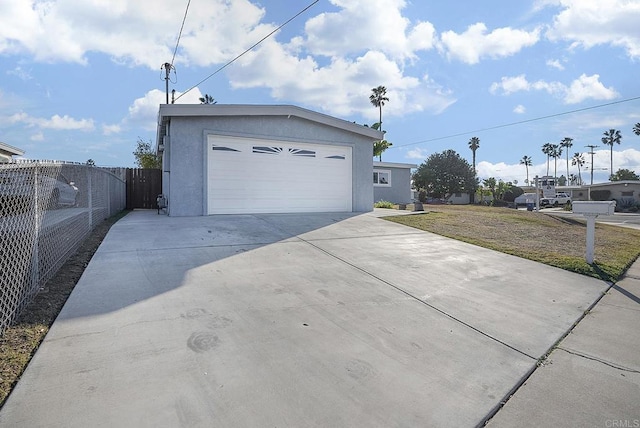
<point x="400" y="190"/>
<point x="185" y="161"/>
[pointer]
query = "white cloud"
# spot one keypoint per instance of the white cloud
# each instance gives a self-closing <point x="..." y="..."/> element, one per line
<point x="629" y="158"/>
<point x="520" y="109"/>
<point x="111" y="129"/>
<point x="581" y="89"/>
<point x="588" y="87"/>
<point x="554" y="63"/>
<point x="417" y="153"/>
<point x="342" y="87"/>
<point x="144" y="110"/>
<point x="384" y="29"/>
<point x="20" y="73"/>
<point x="131" y="32"/>
<point x="56" y="122"/>
<point x="589" y="23"/>
<point x="475" y="43"/>
<point x="37" y="137"/>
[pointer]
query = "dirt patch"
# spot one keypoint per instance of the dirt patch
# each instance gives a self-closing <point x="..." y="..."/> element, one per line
<point x="21" y="340"/>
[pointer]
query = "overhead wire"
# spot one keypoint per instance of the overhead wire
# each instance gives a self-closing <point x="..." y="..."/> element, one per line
<point x="520" y="122"/>
<point x="175" y="51"/>
<point x="249" y="49"/>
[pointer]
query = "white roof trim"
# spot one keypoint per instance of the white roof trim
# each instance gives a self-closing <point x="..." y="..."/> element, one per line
<point x="394" y="165"/>
<point x="10" y="149"/>
<point x="211" y="110"/>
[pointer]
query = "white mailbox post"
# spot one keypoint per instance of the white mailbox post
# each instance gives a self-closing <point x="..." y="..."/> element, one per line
<point x="591" y="210"/>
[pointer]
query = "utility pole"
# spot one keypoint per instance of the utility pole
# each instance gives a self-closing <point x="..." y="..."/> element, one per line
<point x="167" y="70"/>
<point x="591" y="146"/>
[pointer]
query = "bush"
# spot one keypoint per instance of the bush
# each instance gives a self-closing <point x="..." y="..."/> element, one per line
<point x="499" y="203"/>
<point x="383" y="204"/>
<point x="422" y="196"/>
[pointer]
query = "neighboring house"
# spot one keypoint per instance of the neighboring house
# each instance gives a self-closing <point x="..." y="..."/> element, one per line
<point x="621" y="191"/>
<point x="228" y="159"/>
<point x="459" y="199"/>
<point x="7" y="152"/>
<point x="392" y="182"/>
<point x="618" y="190"/>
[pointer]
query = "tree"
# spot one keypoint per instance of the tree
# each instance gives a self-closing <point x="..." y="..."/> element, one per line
<point x="547" y="148"/>
<point x="490" y="184"/>
<point x="444" y="174"/>
<point x="636" y="128"/>
<point x="578" y="160"/>
<point x="474" y="144"/>
<point x="611" y="137"/>
<point x="379" y="146"/>
<point x="378" y="98"/>
<point x="567" y="143"/>
<point x="526" y="161"/>
<point x="556" y="152"/>
<point x="91" y="162"/>
<point x="145" y="156"/>
<point x="207" y="99"/>
<point x="562" y="180"/>
<point x="625" y="174"/>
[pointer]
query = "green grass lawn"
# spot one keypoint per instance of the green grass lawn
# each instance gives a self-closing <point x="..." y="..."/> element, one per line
<point x="541" y="237"/>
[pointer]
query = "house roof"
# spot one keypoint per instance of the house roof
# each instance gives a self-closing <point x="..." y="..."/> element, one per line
<point x="613" y="183"/>
<point x="394" y="165"/>
<point x="10" y="150"/>
<point x="217" y="110"/>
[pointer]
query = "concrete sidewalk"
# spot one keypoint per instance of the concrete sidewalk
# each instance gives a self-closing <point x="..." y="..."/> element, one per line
<point x="592" y="379"/>
<point x="302" y="320"/>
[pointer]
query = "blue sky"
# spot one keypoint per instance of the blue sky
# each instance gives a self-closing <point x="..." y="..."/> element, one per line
<point x="82" y="80"/>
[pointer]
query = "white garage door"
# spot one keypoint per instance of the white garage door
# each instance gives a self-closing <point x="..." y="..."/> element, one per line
<point x="263" y="176"/>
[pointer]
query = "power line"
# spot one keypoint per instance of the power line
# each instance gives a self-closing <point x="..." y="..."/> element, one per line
<point x="180" y="33"/>
<point x="516" y="123"/>
<point x="249" y="49"/>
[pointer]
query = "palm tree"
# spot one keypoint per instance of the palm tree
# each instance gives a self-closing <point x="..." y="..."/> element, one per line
<point x="611" y="137"/>
<point x="636" y="128"/>
<point x="526" y="161"/>
<point x="378" y="98"/>
<point x="556" y="152"/>
<point x="578" y="159"/>
<point x="474" y="144"/>
<point x="379" y="147"/>
<point x="566" y="143"/>
<point x="207" y="99"/>
<point x="547" y="148"/>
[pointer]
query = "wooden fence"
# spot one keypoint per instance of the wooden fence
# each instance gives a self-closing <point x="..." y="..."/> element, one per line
<point x="143" y="187"/>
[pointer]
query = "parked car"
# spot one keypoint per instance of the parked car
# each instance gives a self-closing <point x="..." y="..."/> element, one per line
<point x="522" y="199"/>
<point x="557" y="200"/>
<point x="54" y="191"/>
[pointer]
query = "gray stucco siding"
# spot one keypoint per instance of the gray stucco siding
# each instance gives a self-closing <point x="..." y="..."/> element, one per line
<point x="186" y="158"/>
<point x="399" y="191"/>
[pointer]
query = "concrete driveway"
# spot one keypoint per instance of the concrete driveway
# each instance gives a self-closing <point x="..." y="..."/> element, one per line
<point x="293" y="320"/>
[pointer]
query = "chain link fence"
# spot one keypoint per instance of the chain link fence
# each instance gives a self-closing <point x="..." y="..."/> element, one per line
<point x="47" y="209"/>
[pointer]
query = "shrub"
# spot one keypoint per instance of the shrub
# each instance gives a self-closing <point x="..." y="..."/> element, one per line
<point x="422" y="196"/>
<point x="383" y="204"/>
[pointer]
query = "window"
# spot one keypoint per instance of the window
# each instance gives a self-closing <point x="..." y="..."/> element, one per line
<point x="382" y="178"/>
<point x="627" y="193"/>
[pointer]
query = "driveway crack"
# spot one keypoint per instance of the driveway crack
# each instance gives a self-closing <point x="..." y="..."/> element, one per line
<point x="599" y="360"/>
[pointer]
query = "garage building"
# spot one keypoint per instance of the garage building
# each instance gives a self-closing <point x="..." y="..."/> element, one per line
<point x="230" y="159"/>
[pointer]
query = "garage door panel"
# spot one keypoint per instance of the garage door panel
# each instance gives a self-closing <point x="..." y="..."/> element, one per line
<point x="258" y="176"/>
